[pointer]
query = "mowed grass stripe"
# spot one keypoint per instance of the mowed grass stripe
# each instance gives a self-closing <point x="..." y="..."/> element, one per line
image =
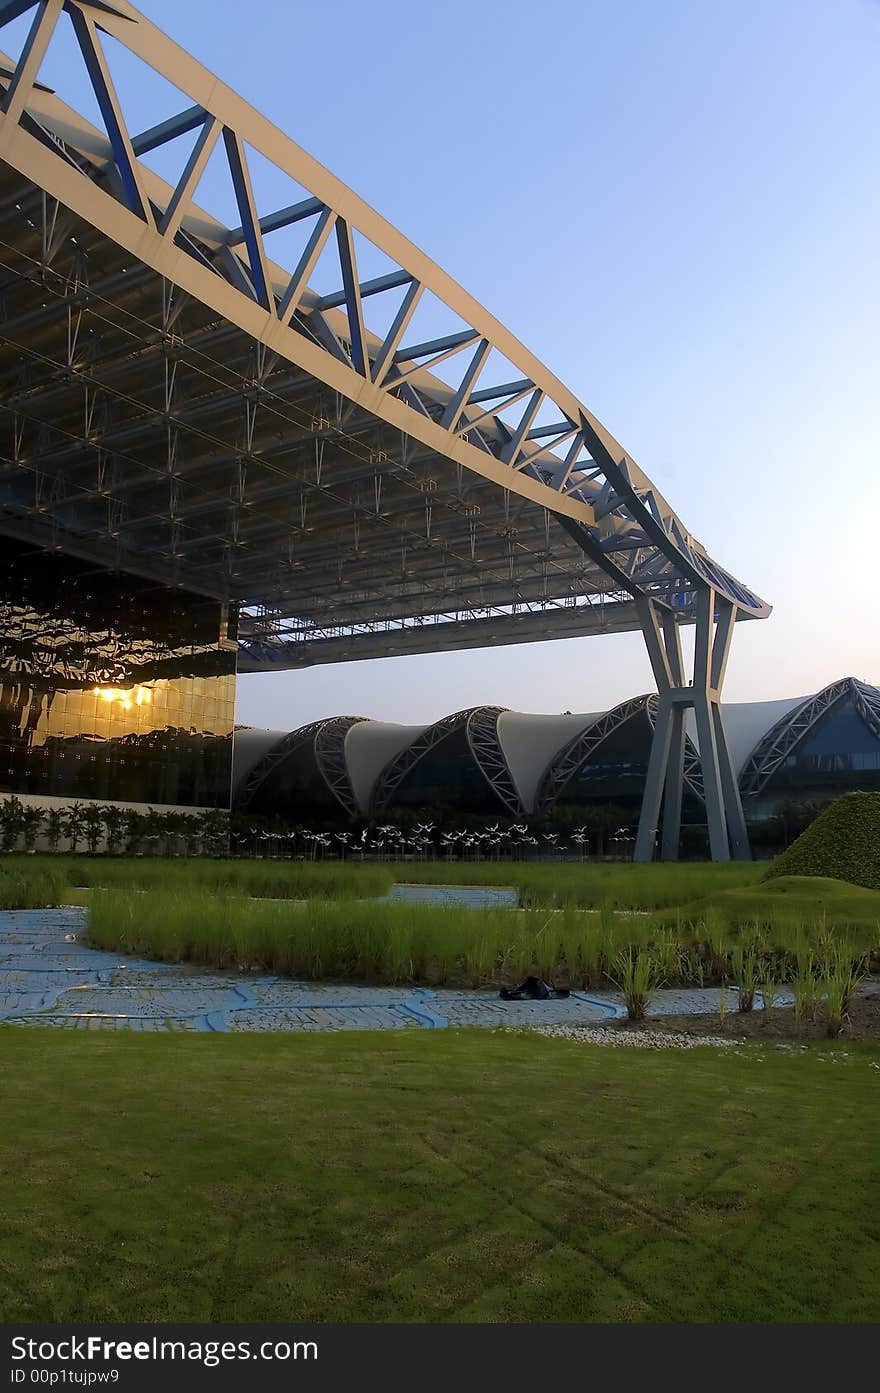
<point x="448" y="1175"/>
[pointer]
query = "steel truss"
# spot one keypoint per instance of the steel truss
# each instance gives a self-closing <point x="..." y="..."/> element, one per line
<point x="664" y="782"/>
<point x="788" y="733"/>
<point x="327" y="740"/>
<point x="567" y="764"/>
<point x="480" y="725"/>
<point x="464" y="472"/>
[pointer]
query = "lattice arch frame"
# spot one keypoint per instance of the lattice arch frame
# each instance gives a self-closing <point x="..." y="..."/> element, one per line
<point x="480" y="724"/>
<point x="327" y="738"/>
<point x="567" y="763"/>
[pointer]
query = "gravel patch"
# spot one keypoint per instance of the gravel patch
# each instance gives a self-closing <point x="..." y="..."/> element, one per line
<point x="641" y="1039"/>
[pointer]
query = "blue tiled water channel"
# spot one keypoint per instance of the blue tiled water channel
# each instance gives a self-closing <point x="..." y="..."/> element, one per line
<point x="50" y="977"/>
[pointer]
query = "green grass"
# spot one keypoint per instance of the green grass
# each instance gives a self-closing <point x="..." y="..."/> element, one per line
<point x="446" y="1176"/>
<point x="263" y="879"/>
<point x="789" y="905"/>
<point x="355" y="940"/>
<point x="538" y="883"/>
<point x="372" y="941"/>
<point x="843" y="843"/>
<point x="621" y="885"/>
<point x="26" y="883"/>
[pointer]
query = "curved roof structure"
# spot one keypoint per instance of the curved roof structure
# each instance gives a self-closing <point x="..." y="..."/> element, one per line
<point x="528" y="762"/>
<point x="789" y="732"/>
<point x="369" y="747"/>
<point x="570" y="760"/>
<point x="529" y="742"/>
<point x="479" y="727"/>
<point x="324" y="741"/>
<point x="364" y="460"/>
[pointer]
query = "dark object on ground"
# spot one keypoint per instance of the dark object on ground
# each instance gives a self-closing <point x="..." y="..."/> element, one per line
<point x="532" y="989"/>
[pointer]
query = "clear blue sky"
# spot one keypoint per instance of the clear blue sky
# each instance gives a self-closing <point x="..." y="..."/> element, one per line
<point x="675" y="205"/>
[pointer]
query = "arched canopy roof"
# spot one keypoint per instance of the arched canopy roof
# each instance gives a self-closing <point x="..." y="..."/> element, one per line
<point x="359" y="484"/>
<point x="530" y="741"/>
<point x="249" y="745"/>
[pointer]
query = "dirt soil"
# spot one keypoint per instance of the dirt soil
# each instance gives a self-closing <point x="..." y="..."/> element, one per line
<point x="863" y="1022"/>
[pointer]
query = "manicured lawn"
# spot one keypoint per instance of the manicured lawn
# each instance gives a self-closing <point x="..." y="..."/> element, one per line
<point x="434" y="1176"/>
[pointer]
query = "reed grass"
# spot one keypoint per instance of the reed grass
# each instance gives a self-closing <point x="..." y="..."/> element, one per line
<point x="638" y="975"/>
<point x="25" y="884"/>
<point x="372" y="940"/>
<point x="587" y="886"/>
<point x="559" y="885"/>
<point x="361" y="940"/>
<point x="745" y="967"/>
<point x="840" y="977"/>
<point x="260" y="879"/>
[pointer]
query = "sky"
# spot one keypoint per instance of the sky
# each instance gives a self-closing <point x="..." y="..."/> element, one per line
<point x="675" y="206"/>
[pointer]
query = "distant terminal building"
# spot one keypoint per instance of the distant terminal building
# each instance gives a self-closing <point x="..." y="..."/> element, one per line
<point x="495" y="762"/>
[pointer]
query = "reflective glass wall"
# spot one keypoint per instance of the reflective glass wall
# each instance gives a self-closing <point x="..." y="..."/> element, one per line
<point x="112" y="687"/>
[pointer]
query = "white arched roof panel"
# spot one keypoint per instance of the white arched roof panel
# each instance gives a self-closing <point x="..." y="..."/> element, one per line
<point x="529" y="742"/>
<point x="369" y="746"/>
<point x="248" y="747"/>
<point x="745" y="722"/>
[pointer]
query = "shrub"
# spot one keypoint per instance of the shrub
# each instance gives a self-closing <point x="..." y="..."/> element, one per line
<point x="843" y="843"/>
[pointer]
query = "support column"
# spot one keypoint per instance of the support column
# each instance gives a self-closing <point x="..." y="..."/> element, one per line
<point x="674" y="787"/>
<point x="724" y="815"/>
<point x="736" y="822"/>
<point x="675" y="767"/>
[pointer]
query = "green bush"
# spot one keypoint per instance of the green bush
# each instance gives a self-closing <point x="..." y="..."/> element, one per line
<point x="843" y="843"/>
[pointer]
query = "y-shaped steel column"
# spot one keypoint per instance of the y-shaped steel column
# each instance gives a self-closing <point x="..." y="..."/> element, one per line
<point x="724" y="814"/>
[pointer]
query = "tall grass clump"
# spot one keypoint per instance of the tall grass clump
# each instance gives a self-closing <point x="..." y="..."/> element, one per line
<point x="769" y="991"/>
<point x="839" y="979"/>
<point x="805" y="985"/>
<point x="637" y="975"/>
<point x="26" y="884"/>
<point x="745" y="966"/>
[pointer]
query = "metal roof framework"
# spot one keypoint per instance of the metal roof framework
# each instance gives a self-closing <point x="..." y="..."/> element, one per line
<point x="177" y="403"/>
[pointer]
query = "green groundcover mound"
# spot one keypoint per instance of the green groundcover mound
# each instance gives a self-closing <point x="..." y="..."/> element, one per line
<point x="843" y="842"/>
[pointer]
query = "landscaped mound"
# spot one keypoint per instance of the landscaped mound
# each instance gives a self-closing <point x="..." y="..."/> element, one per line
<point x="843" y="842"/>
<point x="782" y="905"/>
